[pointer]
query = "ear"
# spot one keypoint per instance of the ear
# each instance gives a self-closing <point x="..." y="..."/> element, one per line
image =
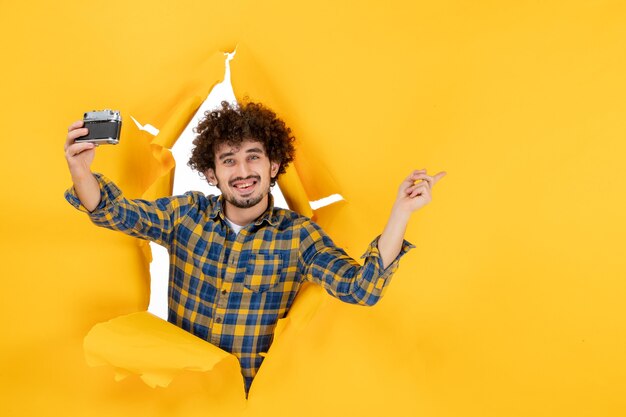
<point x="274" y="167"/>
<point x="210" y="176"/>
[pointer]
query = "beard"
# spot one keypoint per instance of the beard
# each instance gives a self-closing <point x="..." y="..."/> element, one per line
<point x="247" y="202"/>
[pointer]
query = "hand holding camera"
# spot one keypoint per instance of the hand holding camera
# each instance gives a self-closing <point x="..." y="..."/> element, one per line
<point x="79" y="155"/>
<point x="97" y="127"/>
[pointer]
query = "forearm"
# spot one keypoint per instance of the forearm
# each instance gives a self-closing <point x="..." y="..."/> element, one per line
<point x="342" y="276"/>
<point x="87" y="190"/>
<point x="151" y="220"/>
<point x="390" y="241"/>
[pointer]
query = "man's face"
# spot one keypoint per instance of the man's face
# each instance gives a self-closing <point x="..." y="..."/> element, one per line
<point x="243" y="173"/>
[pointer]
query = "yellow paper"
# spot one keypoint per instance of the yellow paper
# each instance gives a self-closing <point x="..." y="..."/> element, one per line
<point x="512" y="302"/>
<point x="147" y="346"/>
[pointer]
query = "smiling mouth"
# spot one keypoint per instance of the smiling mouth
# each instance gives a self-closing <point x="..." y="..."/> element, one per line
<point x="244" y="186"/>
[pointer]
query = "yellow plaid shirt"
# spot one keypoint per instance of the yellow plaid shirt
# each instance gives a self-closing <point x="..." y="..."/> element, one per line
<point x="231" y="289"/>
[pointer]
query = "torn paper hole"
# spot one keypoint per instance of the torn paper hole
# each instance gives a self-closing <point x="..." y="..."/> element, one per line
<point x="186" y="179"/>
<point x="223" y="89"/>
<point x="147" y="127"/>
<point x="326" y="201"/>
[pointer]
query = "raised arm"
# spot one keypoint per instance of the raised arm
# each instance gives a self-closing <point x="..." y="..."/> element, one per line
<point x="107" y="206"/>
<point x="322" y="262"/>
<point x="79" y="157"/>
<point x="414" y="193"/>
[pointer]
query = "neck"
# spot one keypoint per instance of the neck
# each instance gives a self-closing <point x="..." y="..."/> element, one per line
<point x="245" y="216"/>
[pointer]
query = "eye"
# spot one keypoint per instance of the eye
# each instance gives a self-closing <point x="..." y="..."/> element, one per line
<point x="228" y="161"/>
<point x="254" y="157"/>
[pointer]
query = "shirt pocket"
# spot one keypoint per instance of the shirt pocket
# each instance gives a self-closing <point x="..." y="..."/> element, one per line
<point x="263" y="271"/>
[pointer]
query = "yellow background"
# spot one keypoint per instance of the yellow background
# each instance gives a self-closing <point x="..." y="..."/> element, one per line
<point x="512" y="302"/>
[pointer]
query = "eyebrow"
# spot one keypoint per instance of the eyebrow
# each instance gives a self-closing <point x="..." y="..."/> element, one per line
<point x="251" y="150"/>
<point x="254" y="150"/>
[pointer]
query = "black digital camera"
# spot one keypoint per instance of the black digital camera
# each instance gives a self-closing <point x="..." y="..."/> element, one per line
<point x="104" y="127"/>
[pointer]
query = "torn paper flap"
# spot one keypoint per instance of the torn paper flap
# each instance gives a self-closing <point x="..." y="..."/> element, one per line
<point x="155" y="350"/>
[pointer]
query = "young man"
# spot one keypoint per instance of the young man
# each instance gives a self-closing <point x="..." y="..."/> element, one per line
<point x="236" y="261"/>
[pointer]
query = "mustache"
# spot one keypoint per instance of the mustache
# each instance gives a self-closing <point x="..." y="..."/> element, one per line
<point x="249" y="177"/>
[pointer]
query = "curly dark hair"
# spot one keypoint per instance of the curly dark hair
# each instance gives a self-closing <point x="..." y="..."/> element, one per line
<point x="233" y="125"/>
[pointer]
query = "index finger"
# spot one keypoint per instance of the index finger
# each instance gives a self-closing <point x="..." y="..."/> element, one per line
<point x="438" y="176"/>
<point x="77" y="124"/>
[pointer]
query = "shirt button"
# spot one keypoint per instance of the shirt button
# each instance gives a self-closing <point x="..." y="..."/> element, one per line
<point x="218" y="320"/>
<point x="224" y="292"/>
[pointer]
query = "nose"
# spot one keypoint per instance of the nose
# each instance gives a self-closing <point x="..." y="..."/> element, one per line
<point x="243" y="170"/>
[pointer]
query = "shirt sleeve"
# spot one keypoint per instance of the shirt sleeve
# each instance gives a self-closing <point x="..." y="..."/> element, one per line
<point x="150" y="220"/>
<point x="341" y="276"/>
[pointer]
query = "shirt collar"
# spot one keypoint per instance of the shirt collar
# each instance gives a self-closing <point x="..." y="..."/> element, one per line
<point x="268" y="214"/>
